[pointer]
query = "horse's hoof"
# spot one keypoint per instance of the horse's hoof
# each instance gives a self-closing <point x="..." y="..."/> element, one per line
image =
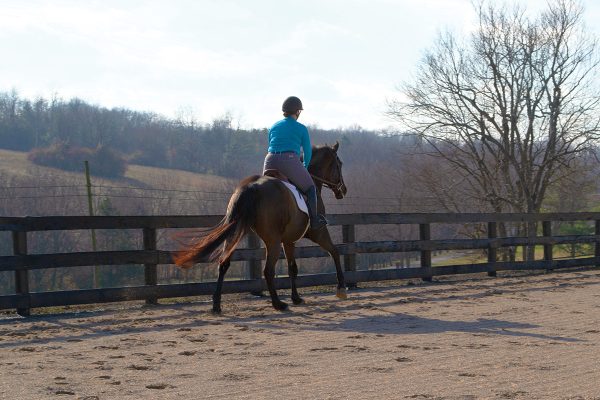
<point x="298" y="300"/>
<point x="341" y="294"/>
<point x="281" y="306"/>
<point x="216" y="310"/>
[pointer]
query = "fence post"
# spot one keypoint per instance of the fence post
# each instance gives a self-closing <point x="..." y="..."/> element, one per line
<point x="547" y="232"/>
<point x="21" y="275"/>
<point x="425" y="234"/>
<point x="150" y="270"/>
<point x="349" y="236"/>
<point x="597" y="249"/>
<point x="254" y="266"/>
<point x="492" y="251"/>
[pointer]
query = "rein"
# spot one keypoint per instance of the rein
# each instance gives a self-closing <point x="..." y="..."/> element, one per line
<point x="331" y="185"/>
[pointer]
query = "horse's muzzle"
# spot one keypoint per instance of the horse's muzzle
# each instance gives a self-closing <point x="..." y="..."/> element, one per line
<point x="340" y="191"/>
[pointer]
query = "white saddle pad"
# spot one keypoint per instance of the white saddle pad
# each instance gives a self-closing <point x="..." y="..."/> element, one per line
<point x="299" y="199"/>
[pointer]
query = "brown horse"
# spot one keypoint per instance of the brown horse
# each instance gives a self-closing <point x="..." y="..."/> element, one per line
<point x="264" y="205"/>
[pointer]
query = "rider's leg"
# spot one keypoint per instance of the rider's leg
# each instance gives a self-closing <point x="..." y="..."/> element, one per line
<point x="317" y="221"/>
<point x="289" y="164"/>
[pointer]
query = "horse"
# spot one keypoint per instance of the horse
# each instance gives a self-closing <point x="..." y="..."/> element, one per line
<point x="263" y="204"/>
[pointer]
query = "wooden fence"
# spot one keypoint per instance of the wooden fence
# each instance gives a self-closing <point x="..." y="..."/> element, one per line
<point x="21" y="262"/>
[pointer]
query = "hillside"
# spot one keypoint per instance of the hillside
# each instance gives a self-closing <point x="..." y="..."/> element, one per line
<point x="28" y="187"/>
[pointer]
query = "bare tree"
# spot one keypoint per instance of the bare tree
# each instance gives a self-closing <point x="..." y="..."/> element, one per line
<point x="512" y="108"/>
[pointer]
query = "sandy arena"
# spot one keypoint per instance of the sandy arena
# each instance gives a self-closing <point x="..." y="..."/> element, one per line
<point x="511" y="337"/>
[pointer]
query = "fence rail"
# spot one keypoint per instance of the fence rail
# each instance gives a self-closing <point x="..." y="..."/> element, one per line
<point x="21" y="262"/>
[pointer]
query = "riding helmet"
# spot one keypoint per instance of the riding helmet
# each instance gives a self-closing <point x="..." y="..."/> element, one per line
<point x="291" y="105"/>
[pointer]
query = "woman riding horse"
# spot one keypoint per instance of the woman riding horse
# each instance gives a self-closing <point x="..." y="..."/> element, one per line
<point x="286" y="137"/>
<point x="264" y="204"/>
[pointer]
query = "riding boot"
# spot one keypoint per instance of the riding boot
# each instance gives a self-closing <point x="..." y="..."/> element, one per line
<point x="317" y="221"/>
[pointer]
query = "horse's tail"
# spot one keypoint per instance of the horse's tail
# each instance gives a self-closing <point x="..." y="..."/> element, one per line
<point x="240" y="217"/>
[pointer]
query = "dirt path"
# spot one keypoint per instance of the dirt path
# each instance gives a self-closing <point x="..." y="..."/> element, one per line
<point x="525" y="337"/>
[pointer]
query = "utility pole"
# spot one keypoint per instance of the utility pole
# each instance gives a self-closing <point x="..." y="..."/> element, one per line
<point x="91" y="213"/>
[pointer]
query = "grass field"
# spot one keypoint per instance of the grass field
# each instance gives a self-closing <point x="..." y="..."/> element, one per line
<point x="15" y="164"/>
<point x="37" y="190"/>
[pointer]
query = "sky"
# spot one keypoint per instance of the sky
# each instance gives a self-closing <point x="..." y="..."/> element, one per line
<point x="204" y="59"/>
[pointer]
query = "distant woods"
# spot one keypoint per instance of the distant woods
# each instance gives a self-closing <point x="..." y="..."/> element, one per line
<point x="386" y="171"/>
<point x="106" y="161"/>
<point x="74" y="126"/>
<point x="141" y="138"/>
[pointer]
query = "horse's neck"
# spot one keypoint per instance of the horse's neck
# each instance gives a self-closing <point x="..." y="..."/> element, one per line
<point x="320" y="202"/>
<point x="319" y="185"/>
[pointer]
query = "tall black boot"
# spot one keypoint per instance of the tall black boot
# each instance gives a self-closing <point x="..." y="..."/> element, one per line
<point x="317" y="221"/>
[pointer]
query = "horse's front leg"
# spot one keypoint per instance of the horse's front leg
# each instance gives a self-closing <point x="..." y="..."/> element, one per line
<point x="269" y="272"/>
<point x="288" y="248"/>
<point x="323" y="239"/>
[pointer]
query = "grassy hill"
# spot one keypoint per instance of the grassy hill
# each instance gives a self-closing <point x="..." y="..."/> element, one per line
<point x="29" y="189"/>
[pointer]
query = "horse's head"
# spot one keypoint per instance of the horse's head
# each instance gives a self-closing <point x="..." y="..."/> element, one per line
<point x="326" y="168"/>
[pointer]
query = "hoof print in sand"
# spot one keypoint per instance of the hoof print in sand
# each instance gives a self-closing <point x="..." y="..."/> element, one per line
<point x="159" y="386"/>
<point x="139" y="367"/>
<point x="235" y="377"/>
<point x="65" y="392"/>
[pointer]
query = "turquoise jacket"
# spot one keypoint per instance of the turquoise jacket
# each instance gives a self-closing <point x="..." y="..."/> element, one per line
<point x="290" y="135"/>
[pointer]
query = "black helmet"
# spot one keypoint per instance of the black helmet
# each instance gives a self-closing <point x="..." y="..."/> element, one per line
<point x="291" y="105"/>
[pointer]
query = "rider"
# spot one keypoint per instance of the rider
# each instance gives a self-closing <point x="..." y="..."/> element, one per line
<point x="286" y="137"/>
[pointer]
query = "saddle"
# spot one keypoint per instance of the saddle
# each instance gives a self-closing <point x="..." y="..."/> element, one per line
<point x="275" y="173"/>
<point x="297" y="193"/>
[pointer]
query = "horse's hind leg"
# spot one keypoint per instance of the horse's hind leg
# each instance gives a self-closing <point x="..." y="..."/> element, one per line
<point x="223" y="267"/>
<point x="269" y="271"/>
<point x="288" y="248"/>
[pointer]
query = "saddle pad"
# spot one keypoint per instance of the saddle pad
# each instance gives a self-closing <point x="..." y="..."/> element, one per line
<point x="299" y="199"/>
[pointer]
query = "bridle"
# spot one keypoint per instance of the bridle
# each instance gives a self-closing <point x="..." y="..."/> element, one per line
<point x="336" y="187"/>
<point x="331" y="185"/>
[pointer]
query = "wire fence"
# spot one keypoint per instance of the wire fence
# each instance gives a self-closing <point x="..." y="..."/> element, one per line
<point x="193" y="195"/>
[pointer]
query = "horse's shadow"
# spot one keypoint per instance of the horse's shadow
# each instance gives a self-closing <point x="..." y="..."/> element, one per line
<point x="404" y="324"/>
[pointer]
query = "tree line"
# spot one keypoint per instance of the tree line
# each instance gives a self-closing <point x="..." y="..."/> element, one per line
<point x="143" y="138"/>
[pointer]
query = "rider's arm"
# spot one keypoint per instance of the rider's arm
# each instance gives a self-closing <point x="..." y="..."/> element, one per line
<point x="306" y="147"/>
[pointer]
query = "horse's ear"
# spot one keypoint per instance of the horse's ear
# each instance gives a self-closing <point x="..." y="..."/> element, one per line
<point x="336" y="146"/>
